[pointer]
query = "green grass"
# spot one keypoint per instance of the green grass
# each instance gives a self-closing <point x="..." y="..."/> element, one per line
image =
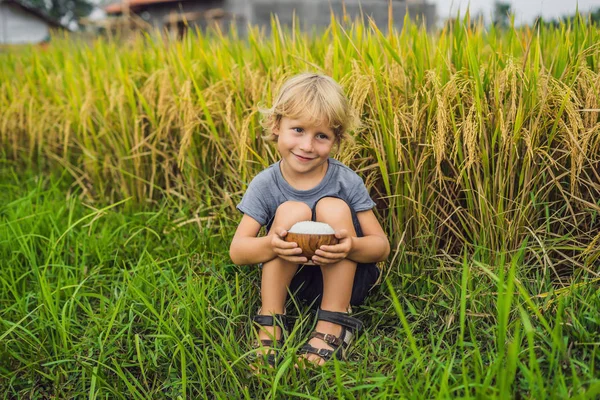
<point x="480" y="145"/>
<point x="143" y="302"/>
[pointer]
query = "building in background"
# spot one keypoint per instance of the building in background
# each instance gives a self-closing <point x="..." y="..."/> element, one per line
<point x="174" y="16"/>
<point x="317" y="13"/>
<point x="177" y="16"/>
<point x="20" y="23"/>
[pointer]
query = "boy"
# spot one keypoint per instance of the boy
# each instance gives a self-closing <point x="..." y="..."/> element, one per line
<point x="309" y="118"/>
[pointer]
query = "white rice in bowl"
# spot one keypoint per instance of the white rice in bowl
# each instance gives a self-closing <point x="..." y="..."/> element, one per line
<point x="311" y="227"/>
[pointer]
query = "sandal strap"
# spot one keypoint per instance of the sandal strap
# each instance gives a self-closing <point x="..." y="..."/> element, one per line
<point x="328" y="338"/>
<point x="325" y="354"/>
<point x="272" y="360"/>
<point x="340" y="318"/>
<point x="280" y="320"/>
<point x="269" y="343"/>
<point x="273" y="357"/>
<point x="350" y="326"/>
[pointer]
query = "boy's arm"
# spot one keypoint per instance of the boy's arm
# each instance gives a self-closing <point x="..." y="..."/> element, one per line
<point x="374" y="245"/>
<point x="246" y="248"/>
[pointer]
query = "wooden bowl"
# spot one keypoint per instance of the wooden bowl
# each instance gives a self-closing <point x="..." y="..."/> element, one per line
<point x="310" y="242"/>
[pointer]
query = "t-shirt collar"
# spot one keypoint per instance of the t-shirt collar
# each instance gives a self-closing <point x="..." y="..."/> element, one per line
<point x="290" y="189"/>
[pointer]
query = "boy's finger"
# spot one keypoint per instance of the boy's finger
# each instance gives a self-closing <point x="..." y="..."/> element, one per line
<point x="277" y="231"/>
<point x="289" y="252"/>
<point x="285" y="245"/>
<point x="329" y="255"/>
<point x="342" y="233"/>
<point x="333" y="248"/>
<point x="297" y="260"/>
<point x="324" y="260"/>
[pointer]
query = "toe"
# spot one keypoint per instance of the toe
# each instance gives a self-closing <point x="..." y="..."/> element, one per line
<point x="316" y="360"/>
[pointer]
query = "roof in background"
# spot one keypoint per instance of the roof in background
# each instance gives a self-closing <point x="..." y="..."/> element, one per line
<point x="134" y="4"/>
<point x="35" y="11"/>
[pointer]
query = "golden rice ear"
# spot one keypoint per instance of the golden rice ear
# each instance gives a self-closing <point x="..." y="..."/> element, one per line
<point x="310" y="242"/>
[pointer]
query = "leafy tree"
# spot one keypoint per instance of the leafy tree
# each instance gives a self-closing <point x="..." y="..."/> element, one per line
<point x="65" y="11"/>
<point x="501" y="13"/>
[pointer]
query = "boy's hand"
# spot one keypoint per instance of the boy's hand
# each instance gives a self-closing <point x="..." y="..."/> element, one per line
<point x="334" y="253"/>
<point x="289" y="251"/>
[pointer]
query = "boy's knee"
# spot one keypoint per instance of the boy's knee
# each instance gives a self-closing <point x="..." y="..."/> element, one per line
<point x="294" y="209"/>
<point x="332" y="210"/>
<point x="289" y="213"/>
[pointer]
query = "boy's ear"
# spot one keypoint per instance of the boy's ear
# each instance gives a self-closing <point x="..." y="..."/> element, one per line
<point x="277" y="126"/>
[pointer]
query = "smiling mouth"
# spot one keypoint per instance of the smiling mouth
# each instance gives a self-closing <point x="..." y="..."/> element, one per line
<point x="303" y="158"/>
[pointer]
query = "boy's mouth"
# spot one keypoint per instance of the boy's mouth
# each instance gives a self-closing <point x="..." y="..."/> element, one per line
<point x="302" y="158"/>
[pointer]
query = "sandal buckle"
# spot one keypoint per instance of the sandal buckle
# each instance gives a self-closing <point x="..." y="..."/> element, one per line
<point x="329" y="338"/>
<point x="324" y="353"/>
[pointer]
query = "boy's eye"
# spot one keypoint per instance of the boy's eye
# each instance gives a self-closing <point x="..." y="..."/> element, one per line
<point x="323" y="136"/>
<point x="298" y="130"/>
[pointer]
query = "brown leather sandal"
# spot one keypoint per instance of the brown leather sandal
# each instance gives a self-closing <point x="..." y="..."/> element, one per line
<point x="280" y="320"/>
<point x="350" y="327"/>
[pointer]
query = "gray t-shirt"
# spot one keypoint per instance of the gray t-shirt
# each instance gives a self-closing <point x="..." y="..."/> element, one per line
<point x="268" y="190"/>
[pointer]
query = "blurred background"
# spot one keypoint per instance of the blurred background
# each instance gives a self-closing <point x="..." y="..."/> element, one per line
<point x="32" y="21"/>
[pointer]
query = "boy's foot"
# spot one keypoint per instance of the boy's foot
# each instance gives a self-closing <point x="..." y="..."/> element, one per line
<point x="269" y="338"/>
<point x="270" y="329"/>
<point x="332" y="337"/>
<point x="318" y="343"/>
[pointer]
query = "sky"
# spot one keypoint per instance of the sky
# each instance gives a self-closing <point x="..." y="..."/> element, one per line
<point x="525" y="10"/>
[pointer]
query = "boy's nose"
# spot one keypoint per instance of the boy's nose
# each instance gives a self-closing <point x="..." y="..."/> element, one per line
<point x="306" y="144"/>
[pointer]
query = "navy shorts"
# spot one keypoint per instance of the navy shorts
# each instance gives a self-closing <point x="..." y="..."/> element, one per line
<point x="307" y="284"/>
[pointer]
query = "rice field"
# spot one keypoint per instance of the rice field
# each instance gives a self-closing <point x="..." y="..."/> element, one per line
<point x="122" y="162"/>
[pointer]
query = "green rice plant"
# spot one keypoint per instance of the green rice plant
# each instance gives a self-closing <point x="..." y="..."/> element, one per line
<point x="473" y="138"/>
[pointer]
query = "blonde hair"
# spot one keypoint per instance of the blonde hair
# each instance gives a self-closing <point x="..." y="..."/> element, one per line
<point x="315" y="97"/>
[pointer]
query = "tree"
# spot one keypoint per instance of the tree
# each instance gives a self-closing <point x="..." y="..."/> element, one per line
<point x="501" y="12"/>
<point x="65" y="11"/>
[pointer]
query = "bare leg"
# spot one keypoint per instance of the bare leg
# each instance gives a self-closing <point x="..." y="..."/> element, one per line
<point x="338" y="278"/>
<point x="278" y="273"/>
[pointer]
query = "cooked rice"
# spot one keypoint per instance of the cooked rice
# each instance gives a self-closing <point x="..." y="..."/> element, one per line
<point x="319" y="228"/>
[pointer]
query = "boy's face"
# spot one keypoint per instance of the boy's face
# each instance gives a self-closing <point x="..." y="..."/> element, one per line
<point x="304" y="147"/>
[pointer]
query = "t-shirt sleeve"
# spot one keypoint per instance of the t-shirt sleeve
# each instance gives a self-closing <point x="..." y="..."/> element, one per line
<point x="359" y="197"/>
<point x="253" y="202"/>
